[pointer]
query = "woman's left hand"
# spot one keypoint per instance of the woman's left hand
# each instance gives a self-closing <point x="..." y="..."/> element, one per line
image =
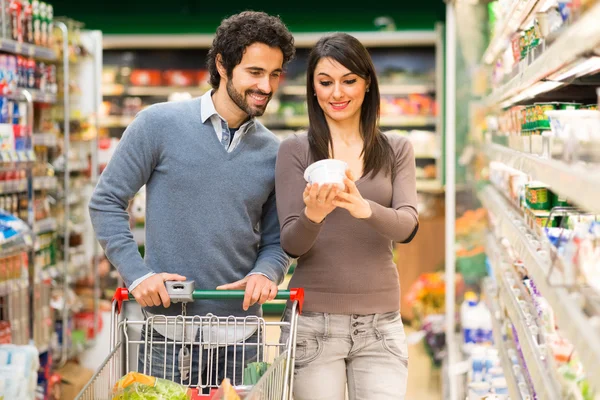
<point x="351" y="199"/>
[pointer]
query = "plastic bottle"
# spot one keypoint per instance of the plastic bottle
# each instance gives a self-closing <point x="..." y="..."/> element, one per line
<point x="485" y="332"/>
<point x="468" y="320"/>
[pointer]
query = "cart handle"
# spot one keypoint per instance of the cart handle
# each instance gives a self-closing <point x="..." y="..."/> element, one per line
<point x="297" y="294"/>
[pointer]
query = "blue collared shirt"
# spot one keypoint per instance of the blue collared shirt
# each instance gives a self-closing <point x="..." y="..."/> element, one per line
<point x="208" y="112"/>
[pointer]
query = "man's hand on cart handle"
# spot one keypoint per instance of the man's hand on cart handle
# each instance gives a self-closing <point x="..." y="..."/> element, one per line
<point x="258" y="288"/>
<point x="152" y="292"/>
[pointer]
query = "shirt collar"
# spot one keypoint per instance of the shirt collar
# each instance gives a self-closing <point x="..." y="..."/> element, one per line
<point x="208" y="110"/>
<point x="207" y="107"/>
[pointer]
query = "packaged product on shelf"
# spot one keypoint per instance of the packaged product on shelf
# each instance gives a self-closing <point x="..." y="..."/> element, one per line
<point x="179" y="78"/>
<point x="43" y="24"/>
<point x="13" y="231"/>
<point x="18" y="371"/>
<point x="476" y="322"/>
<point x="16" y="22"/>
<point x="145" y="77"/>
<point x="536" y="196"/>
<point x="49" y="24"/>
<point x="37" y="23"/>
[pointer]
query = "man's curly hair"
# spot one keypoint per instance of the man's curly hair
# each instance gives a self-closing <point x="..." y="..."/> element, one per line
<point x="242" y="30"/>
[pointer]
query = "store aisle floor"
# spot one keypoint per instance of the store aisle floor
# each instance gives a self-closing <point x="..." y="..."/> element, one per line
<point x="424" y="381"/>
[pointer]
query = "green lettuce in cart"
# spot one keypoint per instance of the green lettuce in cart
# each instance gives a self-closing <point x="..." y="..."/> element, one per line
<point x="136" y="386"/>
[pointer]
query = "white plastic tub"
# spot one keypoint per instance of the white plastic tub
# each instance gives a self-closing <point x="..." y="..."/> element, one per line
<point x="327" y="171"/>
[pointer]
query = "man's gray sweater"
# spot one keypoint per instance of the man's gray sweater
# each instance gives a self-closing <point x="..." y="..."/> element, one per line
<point x="210" y="214"/>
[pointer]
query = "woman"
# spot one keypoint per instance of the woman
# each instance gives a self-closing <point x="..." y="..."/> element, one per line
<point x="350" y="334"/>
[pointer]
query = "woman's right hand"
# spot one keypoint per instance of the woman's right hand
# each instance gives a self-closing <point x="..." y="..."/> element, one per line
<point x="319" y="201"/>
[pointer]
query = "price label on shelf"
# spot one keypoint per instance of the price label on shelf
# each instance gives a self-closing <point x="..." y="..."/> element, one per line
<point x="30" y="155"/>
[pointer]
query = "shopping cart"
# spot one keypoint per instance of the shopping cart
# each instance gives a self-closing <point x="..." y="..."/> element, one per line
<point x="216" y="333"/>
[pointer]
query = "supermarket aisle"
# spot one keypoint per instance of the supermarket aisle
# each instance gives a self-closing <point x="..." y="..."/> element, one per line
<point x="424" y="381"/>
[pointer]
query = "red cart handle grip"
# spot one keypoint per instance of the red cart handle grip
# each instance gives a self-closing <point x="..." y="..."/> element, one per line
<point x="121" y="295"/>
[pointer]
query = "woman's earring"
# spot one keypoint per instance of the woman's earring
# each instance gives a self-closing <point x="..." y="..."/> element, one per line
<point x="367" y="90"/>
<point x="314" y="94"/>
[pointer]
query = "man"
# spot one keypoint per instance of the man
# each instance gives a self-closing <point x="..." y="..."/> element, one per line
<point x="208" y="167"/>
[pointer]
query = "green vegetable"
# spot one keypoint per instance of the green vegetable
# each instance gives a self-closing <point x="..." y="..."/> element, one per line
<point x="253" y="372"/>
<point x="163" y="390"/>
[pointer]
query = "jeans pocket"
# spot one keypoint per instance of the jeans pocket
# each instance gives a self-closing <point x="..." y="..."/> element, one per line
<point x="308" y="349"/>
<point x="396" y="345"/>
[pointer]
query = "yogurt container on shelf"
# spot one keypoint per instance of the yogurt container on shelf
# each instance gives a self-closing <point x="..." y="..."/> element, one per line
<point x="327" y="171"/>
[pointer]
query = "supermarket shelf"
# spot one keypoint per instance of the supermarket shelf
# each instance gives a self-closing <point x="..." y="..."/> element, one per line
<point x="426" y="156"/>
<point x="430" y="186"/>
<point x="14" y="186"/>
<point x="297" y="121"/>
<point x="45" y="225"/>
<point x="115" y="121"/>
<point x="571" y="319"/>
<point x="45" y="183"/>
<point x="9" y="286"/>
<point x="20" y="185"/>
<point x="158" y="91"/>
<point x="17" y="159"/>
<point x="45" y="139"/>
<point x="490" y="289"/>
<point x="565" y="57"/>
<point x="14" y="47"/>
<point x="577" y="183"/>
<point x="384" y="89"/>
<point x="37" y="96"/>
<point x="515" y="18"/>
<point x="168" y="41"/>
<point x="408" y="121"/>
<point x="413" y="121"/>
<point x="74" y="166"/>
<point x="544" y="385"/>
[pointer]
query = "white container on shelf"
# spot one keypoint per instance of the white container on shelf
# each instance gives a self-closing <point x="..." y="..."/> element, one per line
<point x="583" y="125"/>
<point x="327" y="171"/>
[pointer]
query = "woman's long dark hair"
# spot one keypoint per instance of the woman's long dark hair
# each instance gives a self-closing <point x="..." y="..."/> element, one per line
<point x="349" y="52"/>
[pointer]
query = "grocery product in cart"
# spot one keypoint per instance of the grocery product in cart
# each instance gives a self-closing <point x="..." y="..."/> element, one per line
<point x="139" y="386"/>
<point x="203" y="344"/>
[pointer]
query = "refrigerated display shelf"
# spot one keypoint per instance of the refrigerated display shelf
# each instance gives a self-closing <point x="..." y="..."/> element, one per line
<point x="516" y="18"/>
<point x="562" y="60"/>
<point x="578" y="183"/>
<point x="490" y="290"/>
<point x="573" y="322"/>
<point x="26" y="49"/>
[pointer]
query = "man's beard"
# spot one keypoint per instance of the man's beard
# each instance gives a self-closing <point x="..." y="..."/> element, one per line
<point x="240" y="100"/>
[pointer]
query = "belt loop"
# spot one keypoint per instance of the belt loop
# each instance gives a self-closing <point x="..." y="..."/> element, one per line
<point x="326" y="334"/>
<point x="375" y="320"/>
